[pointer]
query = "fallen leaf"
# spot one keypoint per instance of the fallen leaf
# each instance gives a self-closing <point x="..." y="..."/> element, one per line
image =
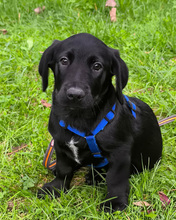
<point x="4" y="31"/>
<point x="45" y="103"/>
<point x="110" y="3"/>
<point x="113" y="14"/>
<point x="30" y="43"/>
<point x="142" y="203"/>
<point x="10" y="205"/>
<point x="39" y="10"/>
<point x="164" y="199"/>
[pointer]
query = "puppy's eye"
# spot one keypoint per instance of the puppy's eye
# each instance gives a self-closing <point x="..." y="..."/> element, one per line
<point x="64" y="61"/>
<point x="97" y="66"/>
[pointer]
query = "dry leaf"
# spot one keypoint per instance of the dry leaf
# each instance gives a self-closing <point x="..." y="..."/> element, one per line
<point x="164" y="199"/>
<point x="142" y="203"/>
<point x="39" y="10"/>
<point x="4" y="31"/>
<point x="10" y="205"/>
<point x="46" y="104"/>
<point x="113" y="14"/>
<point x="110" y="3"/>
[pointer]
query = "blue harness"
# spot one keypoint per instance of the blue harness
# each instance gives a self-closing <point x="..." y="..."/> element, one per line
<point x="91" y="141"/>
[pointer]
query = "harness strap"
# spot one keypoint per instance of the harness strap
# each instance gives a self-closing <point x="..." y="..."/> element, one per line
<point x="93" y="146"/>
<point x="131" y="105"/>
<point x="74" y="130"/>
<point x="91" y="139"/>
<point x="110" y="115"/>
<point x="99" y="127"/>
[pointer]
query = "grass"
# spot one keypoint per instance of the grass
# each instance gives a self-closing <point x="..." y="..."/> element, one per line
<point x="145" y="35"/>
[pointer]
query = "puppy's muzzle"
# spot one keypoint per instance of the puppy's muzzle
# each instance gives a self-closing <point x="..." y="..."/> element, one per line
<point x="75" y="94"/>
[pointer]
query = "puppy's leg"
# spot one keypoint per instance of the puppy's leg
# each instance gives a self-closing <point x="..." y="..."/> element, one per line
<point x="64" y="174"/>
<point x="117" y="180"/>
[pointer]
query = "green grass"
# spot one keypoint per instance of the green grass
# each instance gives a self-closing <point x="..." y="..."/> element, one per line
<point x="145" y="34"/>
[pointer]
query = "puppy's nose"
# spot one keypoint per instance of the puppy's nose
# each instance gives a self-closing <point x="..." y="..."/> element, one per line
<point x="75" y="93"/>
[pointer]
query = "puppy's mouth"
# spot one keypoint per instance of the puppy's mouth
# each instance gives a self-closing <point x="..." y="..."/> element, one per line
<point x="82" y="105"/>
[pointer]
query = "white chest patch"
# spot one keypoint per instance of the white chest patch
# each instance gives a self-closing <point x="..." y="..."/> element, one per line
<point x="72" y="145"/>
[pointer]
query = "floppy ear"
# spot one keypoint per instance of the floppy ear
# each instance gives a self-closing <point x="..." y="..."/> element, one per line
<point x="47" y="61"/>
<point x="120" y="70"/>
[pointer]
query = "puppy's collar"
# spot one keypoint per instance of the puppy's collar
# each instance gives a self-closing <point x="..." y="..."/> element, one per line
<point x="91" y="141"/>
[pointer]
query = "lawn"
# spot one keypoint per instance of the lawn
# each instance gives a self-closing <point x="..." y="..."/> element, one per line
<point x="145" y="34"/>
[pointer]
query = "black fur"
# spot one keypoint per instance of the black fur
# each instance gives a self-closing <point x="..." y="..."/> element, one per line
<point x="83" y="94"/>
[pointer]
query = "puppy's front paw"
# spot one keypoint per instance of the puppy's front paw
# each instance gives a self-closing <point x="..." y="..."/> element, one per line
<point x="115" y="204"/>
<point x="48" y="189"/>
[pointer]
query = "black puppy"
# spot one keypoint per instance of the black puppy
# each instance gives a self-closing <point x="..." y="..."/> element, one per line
<point x="83" y="97"/>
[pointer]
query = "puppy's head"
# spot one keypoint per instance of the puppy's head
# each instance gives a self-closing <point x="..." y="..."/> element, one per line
<point x="83" y="67"/>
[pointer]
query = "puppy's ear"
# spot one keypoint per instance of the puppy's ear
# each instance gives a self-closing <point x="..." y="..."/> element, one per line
<point x="120" y="70"/>
<point x="47" y="61"/>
